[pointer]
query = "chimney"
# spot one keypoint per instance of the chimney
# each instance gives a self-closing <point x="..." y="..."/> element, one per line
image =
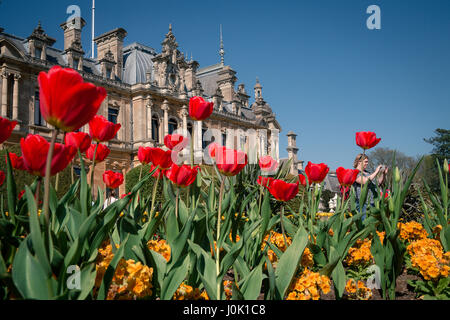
<point x="111" y="44"/>
<point x="72" y="42"/>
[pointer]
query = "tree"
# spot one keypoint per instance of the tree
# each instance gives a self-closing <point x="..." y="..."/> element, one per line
<point x="386" y="155"/>
<point x="441" y="143"/>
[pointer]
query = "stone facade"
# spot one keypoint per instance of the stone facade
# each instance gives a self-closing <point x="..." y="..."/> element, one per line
<point x="148" y="93"/>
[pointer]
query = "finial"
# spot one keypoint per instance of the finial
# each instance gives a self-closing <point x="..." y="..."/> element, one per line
<point x="170" y="27"/>
<point x="221" y="51"/>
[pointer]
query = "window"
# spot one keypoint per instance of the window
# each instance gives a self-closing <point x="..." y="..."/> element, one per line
<point x="37" y="52"/>
<point x="108" y="72"/>
<point x="173" y="124"/>
<point x="38" y="121"/>
<point x="224" y="139"/>
<point x="204" y="141"/>
<point x="113" y="113"/>
<point x="155" y="128"/>
<point x="189" y="128"/>
<point x="76" y="62"/>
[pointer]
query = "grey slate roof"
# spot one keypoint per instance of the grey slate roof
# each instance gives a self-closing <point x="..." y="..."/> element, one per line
<point x="208" y="77"/>
<point x="137" y="61"/>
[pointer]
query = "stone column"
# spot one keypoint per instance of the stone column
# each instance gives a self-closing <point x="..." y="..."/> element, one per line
<point x="198" y="141"/>
<point x="165" y="107"/>
<point x="292" y="152"/>
<point x="274" y="149"/>
<point x="4" y="110"/>
<point x="149" y="106"/>
<point x="15" y="113"/>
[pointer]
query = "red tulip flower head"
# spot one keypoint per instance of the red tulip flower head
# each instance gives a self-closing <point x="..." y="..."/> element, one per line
<point x="2" y="177"/>
<point x="175" y="140"/>
<point x="6" y="128"/>
<point x="34" y="153"/>
<point x="66" y="101"/>
<point x="264" y="181"/>
<point x="199" y="109"/>
<point x="158" y="173"/>
<point x="229" y="161"/>
<point x="268" y="164"/>
<point x="144" y="154"/>
<point x="367" y="139"/>
<point x="282" y="190"/>
<point x="346" y="177"/>
<point x="302" y="179"/>
<point x="183" y="175"/>
<point x="102" y="152"/>
<point x="161" y="158"/>
<point x="79" y="140"/>
<point x="16" y="161"/>
<point x="102" y="130"/>
<point x="112" y="179"/>
<point x="316" y="173"/>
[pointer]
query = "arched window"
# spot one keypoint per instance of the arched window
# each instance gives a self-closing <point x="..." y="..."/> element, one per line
<point x="155" y="128"/>
<point x="38" y="120"/>
<point x="204" y="141"/>
<point x="190" y="128"/>
<point x="173" y="125"/>
<point x="224" y="138"/>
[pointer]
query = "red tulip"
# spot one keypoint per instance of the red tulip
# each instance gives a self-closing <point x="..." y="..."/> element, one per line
<point x="102" y="152"/>
<point x="264" y="181"/>
<point x="316" y="173"/>
<point x="268" y="164"/>
<point x="34" y="153"/>
<point x="161" y="158"/>
<point x="212" y="148"/>
<point x="199" y="109"/>
<point x="282" y="190"/>
<point x="66" y="101"/>
<point x="230" y="162"/>
<point x="112" y="179"/>
<point x="144" y="155"/>
<point x="102" y="130"/>
<point x="158" y="173"/>
<point x="367" y="139"/>
<point x="183" y="175"/>
<point x="20" y="195"/>
<point x="2" y="177"/>
<point x="6" y="127"/>
<point x="173" y="140"/>
<point x="79" y="140"/>
<point x="16" y="161"/>
<point x="346" y="177"/>
<point x="125" y="194"/>
<point x="302" y="179"/>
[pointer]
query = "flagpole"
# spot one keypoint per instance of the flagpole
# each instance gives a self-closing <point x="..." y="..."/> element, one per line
<point x="93" y="28"/>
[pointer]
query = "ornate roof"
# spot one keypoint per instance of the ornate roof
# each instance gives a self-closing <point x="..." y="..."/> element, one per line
<point x="137" y="62"/>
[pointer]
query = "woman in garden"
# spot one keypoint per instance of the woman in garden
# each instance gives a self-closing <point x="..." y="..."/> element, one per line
<point x="361" y="162"/>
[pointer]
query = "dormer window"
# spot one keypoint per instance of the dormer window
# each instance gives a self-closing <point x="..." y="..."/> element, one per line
<point x="76" y="62"/>
<point x="108" y="72"/>
<point x="38" y="52"/>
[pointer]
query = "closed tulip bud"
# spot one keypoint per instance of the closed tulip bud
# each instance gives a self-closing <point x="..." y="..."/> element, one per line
<point x="446" y="168"/>
<point x="391" y="204"/>
<point x="397" y="175"/>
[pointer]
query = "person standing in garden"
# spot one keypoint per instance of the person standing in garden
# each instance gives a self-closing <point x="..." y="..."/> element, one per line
<point x="361" y="163"/>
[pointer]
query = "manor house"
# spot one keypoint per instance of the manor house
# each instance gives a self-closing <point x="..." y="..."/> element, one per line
<point x="148" y="93"/>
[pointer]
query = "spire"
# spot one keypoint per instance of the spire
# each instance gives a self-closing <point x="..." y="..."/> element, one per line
<point x="221" y="51"/>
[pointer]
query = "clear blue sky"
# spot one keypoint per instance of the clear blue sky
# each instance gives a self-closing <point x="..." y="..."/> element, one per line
<point x="324" y="73"/>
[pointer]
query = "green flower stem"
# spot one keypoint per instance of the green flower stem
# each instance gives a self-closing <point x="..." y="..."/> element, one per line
<point x="219" y="217"/>
<point x="176" y="202"/>
<point x="282" y="224"/>
<point x="155" y="186"/>
<point x="48" y="167"/>
<point x="93" y="171"/>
